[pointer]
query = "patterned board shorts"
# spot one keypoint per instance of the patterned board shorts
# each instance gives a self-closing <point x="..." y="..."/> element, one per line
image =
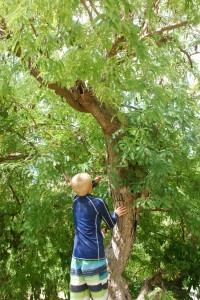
<point x="89" y="279"/>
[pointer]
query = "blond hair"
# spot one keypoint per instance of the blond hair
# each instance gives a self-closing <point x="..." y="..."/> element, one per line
<point x="81" y="183"/>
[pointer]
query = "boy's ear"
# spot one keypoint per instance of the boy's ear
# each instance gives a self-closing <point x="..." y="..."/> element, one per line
<point x="91" y="187"/>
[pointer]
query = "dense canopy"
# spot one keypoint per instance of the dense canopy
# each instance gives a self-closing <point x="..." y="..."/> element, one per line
<point x="111" y="88"/>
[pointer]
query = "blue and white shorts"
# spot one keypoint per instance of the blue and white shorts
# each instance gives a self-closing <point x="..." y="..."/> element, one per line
<point x="89" y="278"/>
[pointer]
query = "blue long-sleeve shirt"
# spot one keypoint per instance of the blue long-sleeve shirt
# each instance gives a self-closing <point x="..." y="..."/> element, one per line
<point x="88" y="212"/>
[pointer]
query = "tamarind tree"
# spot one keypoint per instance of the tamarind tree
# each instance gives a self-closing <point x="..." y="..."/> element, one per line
<point x="107" y="87"/>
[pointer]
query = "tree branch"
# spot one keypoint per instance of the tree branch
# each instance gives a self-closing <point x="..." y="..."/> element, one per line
<point x="115" y="47"/>
<point x="161" y="209"/>
<point x="87" y="9"/>
<point x="149" y="283"/>
<point x="93" y="7"/>
<point x="105" y="115"/>
<point x="166" y="28"/>
<point x="14" y="156"/>
<point x="67" y="178"/>
<point x="156" y="6"/>
<point x="85" y="101"/>
<point x="14" y="194"/>
<point x="60" y="91"/>
<point x="188" y="56"/>
<point x="195" y="53"/>
<point x="33" y="28"/>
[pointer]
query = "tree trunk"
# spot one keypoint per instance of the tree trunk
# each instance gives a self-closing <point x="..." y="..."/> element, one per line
<point x="120" y="247"/>
<point x="121" y="244"/>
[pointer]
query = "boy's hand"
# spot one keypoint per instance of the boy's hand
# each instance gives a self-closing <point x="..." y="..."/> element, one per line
<point x="98" y="179"/>
<point x="121" y="210"/>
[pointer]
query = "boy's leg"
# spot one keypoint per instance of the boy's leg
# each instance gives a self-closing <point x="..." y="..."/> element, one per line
<point x="78" y="287"/>
<point x="96" y="276"/>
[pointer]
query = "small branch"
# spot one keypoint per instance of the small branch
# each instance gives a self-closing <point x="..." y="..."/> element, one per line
<point x="166" y="28"/>
<point x="14" y="156"/>
<point x="188" y="56"/>
<point x="67" y="178"/>
<point x="15" y="102"/>
<point x="93" y="7"/>
<point x="161" y="209"/>
<point x="195" y="53"/>
<point x="14" y="194"/>
<point x="166" y="38"/>
<point x="87" y="9"/>
<point x="3" y="28"/>
<point x="145" y="24"/>
<point x="25" y="139"/>
<point x="131" y="106"/>
<point x="115" y="47"/>
<point x="34" y="30"/>
<point x="144" y="27"/>
<point x="2" y="31"/>
<point x="182" y="229"/>
<point x="156" y="6"/>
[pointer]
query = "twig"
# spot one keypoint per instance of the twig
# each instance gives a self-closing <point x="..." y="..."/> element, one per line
<point x="34" y="30"/>
<point x="87" y="9"/>
<point x="188" y="56"/>
<point x="194" y="53"/>
<point x="67" y="178"/>
<point x="93" y="7"/>
<point x="156" y="6"/>
<point x="14" y="194"/>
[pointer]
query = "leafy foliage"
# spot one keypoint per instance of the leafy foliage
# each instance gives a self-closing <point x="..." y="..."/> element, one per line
<point x="137" y="57"/>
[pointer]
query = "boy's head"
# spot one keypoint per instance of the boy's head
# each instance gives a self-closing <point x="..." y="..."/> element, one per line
<point x="81" y="184"/>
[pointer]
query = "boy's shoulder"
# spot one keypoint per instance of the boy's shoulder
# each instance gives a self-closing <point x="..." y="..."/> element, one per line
<point x="91" y="198"/>
<point x="96" y="200"/>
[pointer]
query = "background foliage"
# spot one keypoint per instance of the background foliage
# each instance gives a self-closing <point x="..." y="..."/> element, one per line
<point x="153" y="81"/>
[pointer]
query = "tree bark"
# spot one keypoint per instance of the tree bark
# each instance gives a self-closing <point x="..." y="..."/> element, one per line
<point x="124" y="231"/>
<point x="120" y="247"/>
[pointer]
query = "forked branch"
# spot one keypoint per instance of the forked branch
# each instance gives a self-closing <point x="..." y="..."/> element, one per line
<point x="165" y="28"/>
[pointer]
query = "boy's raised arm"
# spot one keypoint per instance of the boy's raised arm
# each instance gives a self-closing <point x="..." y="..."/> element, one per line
<point x="96" y="181"/>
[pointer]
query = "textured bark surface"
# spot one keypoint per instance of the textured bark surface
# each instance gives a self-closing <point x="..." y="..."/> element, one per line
<point x="121" y="244"/>
<point x="119" y="249"/>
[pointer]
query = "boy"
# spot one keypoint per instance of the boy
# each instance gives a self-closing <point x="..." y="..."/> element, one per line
<point x="89" y="275"/>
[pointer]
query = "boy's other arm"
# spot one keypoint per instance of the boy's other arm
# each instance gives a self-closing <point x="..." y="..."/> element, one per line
<point x="96" y="181"/>
<point x="110" y="218"/>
